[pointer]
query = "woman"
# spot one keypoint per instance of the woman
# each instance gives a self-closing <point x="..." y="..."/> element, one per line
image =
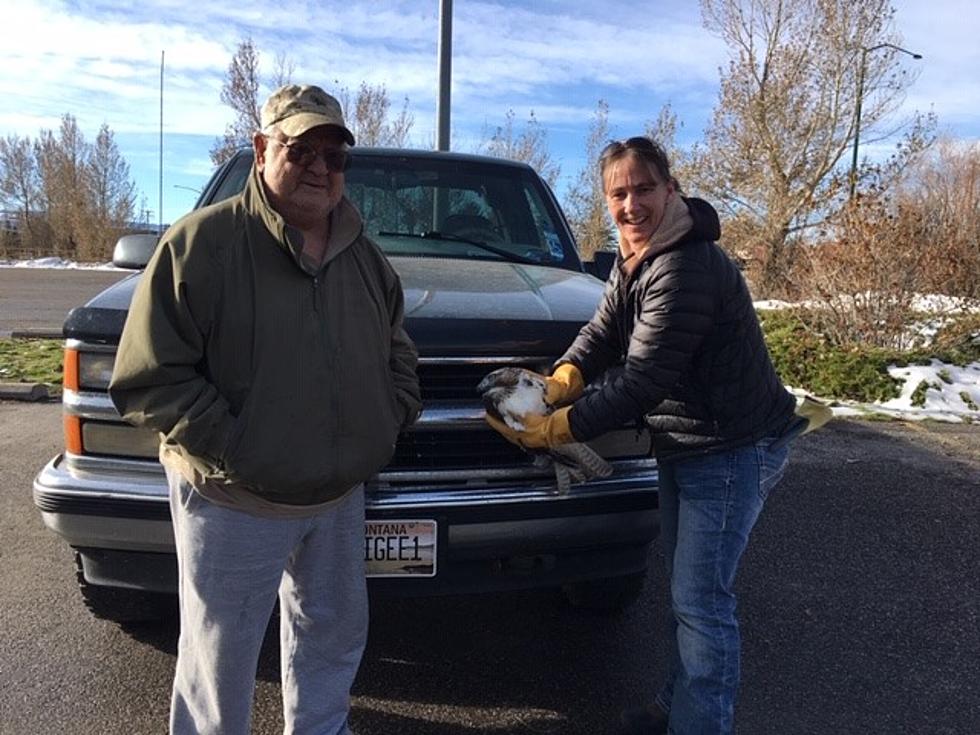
<point x="677" y="321"/>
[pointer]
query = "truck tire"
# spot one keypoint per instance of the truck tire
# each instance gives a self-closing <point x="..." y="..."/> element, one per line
<point x="121" y="605"/>
<point x="609" y="595"/>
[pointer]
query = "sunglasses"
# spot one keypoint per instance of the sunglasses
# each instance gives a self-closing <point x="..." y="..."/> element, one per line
<point x="303" y="154"/>
<point x="638" y="143"/>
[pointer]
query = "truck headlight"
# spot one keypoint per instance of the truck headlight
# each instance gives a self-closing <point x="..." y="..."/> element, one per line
<point x="95" y="370"/>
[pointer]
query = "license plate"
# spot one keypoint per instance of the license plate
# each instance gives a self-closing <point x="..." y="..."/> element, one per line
<point x="400" y="548"/>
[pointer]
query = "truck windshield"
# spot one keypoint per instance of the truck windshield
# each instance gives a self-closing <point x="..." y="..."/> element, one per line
<point x="415" y="206"/>
<point x="451" y="208"/>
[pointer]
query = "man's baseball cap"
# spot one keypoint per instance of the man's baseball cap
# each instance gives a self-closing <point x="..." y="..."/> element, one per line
<point x="294" y="109"/>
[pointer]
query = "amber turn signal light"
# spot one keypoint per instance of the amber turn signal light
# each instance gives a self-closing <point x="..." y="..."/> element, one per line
<point x="70" y="379"/>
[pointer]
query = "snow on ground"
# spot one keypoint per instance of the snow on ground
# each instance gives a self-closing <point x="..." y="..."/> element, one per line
<point x="57" y="263"/>
<point x="953" y="392"/>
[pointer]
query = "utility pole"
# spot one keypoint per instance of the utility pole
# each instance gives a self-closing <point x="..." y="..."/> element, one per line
<point x="445" y="73"/>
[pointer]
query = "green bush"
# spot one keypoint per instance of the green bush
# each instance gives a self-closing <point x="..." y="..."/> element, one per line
<point x="805" y="358"/>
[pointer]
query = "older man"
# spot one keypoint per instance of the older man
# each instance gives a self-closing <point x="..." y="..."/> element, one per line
<point x="265" y="344"/>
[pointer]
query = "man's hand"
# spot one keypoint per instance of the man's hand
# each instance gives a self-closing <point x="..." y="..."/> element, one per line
<point x="540" y="432"/>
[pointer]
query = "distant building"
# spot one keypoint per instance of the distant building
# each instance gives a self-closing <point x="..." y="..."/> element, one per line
<point x="9" y="220"/>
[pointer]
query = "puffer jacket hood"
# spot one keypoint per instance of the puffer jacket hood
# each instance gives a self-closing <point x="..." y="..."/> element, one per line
<point x="705" y="226"/>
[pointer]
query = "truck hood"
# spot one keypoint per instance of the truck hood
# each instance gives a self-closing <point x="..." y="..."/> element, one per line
<point x="440" y="288"/>
<point x="490" y="308"/>
<point x="452" y="307"/>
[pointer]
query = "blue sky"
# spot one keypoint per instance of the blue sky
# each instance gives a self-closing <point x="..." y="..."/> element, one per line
<point x="100" y="61"/>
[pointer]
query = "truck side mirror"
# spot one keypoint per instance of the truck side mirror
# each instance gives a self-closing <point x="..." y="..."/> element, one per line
<point x="134" y="251"/>
<point x="601" y="264"/>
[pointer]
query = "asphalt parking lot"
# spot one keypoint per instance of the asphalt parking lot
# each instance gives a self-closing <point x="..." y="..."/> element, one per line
<point x="36" y="300"/>
<point x="859" y="597"/>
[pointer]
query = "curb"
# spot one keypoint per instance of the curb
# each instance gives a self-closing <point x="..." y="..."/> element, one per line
<point x="24" y="392"/>
<point x="37" y="334"/>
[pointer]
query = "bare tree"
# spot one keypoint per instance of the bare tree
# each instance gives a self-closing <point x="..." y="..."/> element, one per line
<point x="860" y="286"/>
<point x="61" y="162"/>
<point x="786" y="114"/>
<point x="892" y="245"/>
<point x="19" y="188"/>
<point x="585" y="202"/>
<point x="282" y="73"/>
<point x="529" y="145"/>
<point x="942" y="193"/>
<point x="73" y="199"/>
<point x="663" y="129"/>
<point x="240" y="91"/>
<point x="112" y="192"/>
<point x="368" y="116"/>
<point x="110" y="198"/>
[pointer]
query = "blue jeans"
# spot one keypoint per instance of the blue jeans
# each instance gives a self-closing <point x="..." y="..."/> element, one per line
<point x="231" y="566"/>
<point x="708" y="506"/>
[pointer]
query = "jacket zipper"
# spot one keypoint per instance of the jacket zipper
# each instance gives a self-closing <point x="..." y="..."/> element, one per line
<point x="316" y="288"/>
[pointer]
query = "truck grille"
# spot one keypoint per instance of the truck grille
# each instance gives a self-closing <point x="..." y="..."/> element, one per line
<point x="442" y="379"/>
<point x="454" y="381"/>
<point x="448" y="450"/>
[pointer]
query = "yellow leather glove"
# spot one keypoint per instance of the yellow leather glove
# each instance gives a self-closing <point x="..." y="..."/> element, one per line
<point x="540" y="432"/>
<point x="564" y="386"/>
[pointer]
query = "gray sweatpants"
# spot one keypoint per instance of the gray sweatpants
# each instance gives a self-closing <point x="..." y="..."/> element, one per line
<point x="231" y="565"/>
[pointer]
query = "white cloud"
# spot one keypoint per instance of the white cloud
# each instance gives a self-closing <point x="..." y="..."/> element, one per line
<point x="100" y="61"/>
<point x="945" y="34"/>
<point x="98" y="69"/>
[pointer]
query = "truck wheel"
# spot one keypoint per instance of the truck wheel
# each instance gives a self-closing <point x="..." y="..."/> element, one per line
<point x="121" y="605"/>
<point x="609" y="595"/>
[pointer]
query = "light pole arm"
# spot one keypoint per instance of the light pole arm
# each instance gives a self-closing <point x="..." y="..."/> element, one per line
<point x="860" y="97"/>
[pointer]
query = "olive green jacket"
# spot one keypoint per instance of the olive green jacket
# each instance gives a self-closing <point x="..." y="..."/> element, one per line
<point x="263" y="376"/>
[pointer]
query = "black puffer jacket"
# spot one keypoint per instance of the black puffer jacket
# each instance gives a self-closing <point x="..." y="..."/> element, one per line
<point x="682" y="339"/>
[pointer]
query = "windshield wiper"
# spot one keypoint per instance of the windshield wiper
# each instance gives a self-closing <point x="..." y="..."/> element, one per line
<point x="436" y="235"/>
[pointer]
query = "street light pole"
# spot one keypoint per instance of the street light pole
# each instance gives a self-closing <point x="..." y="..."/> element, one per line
<point x="860" y="96"/>
<point x="160" y="213"/>
<point x="445" y="52"/>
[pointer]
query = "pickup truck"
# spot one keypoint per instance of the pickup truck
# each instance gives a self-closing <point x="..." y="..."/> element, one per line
<point x="492" y="278"/>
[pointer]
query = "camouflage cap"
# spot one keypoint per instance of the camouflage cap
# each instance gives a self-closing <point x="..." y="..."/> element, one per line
<point x="294" y="109"/>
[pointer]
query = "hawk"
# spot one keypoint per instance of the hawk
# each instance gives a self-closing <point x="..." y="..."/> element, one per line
<point x="510" y="393"/>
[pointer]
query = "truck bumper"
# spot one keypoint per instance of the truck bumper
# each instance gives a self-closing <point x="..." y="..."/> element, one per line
<point x="489" y="538"/>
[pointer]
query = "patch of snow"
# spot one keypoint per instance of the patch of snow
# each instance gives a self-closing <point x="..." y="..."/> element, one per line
<point x="952" y="389"/>
<point x="57" y="263"/>
<point x="939" y="304"/>
<point x="772" y="304"/>
<point x="953" y="394"/>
